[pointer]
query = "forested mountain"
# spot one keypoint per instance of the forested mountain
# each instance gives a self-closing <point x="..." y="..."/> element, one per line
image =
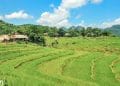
<point x="73" y="31"/>
<point x="114" y="30"/>
<point x="6" y="28"/>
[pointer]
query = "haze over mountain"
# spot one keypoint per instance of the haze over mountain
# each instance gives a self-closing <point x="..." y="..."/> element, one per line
<point x="115" y="29"/>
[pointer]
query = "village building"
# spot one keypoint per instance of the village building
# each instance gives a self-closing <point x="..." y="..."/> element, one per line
<point x="18" y="37"/>
<point x="4" y="38"/>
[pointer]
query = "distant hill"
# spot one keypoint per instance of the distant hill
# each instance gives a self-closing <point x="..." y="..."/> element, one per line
<point x="6" y="27"/>
<point x="115" y="29"/>
<point x="10" y="28"/>
<point x="5" y="24"/>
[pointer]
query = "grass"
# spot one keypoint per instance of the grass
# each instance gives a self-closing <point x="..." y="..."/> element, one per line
<point x="73" y="62"/>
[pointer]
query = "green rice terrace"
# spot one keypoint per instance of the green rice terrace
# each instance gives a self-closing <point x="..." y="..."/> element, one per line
<point x="74" y="61"/>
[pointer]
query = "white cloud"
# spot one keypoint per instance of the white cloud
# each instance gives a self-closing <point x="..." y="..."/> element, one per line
<point x="78" y="16"/>
<point x="64" y="23"/>
<point x="111" y="23"/>
<point x="61" y="15"/>
<point x="18" y="15"/>
<point x="106" y="24"/>
<point x="96" y="1"/>
<point x="68" y="4"/>
<point x="55" y="18"/>
<point x="1" y="17"/>
<point x="82" y="23"/>
<point x="52" y="5"/>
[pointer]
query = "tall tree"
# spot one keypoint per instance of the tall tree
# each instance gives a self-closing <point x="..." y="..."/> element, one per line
<point x="61" y="32"/>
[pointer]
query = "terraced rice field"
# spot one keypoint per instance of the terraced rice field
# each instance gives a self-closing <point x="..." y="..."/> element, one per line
<point x="74" y="62"/>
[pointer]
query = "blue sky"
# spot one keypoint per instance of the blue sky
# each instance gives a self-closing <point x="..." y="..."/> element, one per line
<point x="61" y="12"/>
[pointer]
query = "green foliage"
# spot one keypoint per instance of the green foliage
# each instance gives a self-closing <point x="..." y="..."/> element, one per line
<point x="75" y="61"/>
<point x="74" y="31"/>
<point x="83" y="32"/>
<point x="93" y="32"/>
<point x="115" y="30"/>
<point x="61" y="32"/>
<point x="106" y="33"/>
<point x="35" y="36"/>
<point x="53" y="32"/>
<point x="6" y="28"/>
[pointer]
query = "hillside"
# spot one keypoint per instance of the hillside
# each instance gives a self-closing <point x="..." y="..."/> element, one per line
<point x="7" y="28"/>
<point x="6" y="25"/>
<point x="74" y="62"/>
<point x="73" y="31"/>
<point x="114" y="30"/>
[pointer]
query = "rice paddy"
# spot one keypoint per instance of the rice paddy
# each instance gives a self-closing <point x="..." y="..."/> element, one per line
<point x="73" y="62"/>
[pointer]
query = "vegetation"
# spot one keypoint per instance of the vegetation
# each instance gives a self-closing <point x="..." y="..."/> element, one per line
<point x="115" y="29"/>
<point x="74" y="62"/>
<point x="74" y="56"/>
<point x="36" y="33"/>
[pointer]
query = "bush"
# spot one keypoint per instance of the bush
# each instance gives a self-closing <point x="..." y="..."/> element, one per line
<point x="35" y="36"/>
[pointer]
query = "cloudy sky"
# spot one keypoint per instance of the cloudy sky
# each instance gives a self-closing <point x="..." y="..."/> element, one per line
<point x="98" y="13"/>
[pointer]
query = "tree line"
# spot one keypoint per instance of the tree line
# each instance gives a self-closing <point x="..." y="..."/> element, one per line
<point x="64" y="32"/>
<point x="36" y="33"/>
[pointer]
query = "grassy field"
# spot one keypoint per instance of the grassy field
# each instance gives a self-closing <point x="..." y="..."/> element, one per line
<point x="73" y="62"/>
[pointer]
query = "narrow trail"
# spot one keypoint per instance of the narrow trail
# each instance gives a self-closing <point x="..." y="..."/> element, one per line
<point x="68" y="61"/>
<point x="60" y="62"/>
<point x="103" y="69"/>
<point x="93" y="67"/>
<point x="113" y="68"/>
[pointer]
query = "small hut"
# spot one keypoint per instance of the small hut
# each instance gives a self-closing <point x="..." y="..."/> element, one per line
<point x="19" y="37"/>
<point x="4" y="38"/>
